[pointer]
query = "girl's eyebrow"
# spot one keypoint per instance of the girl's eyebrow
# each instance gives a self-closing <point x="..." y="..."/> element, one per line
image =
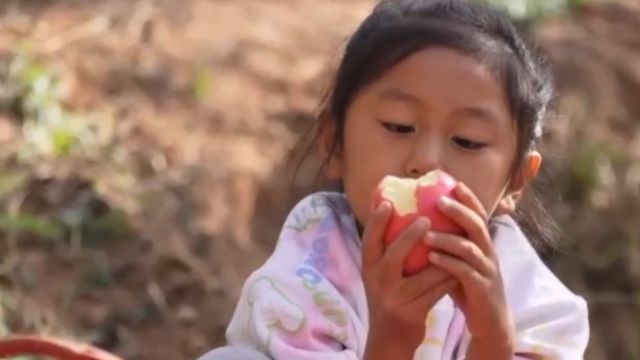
<point x="477" y="112"/>
<point x="397" y="94"/>
<point x="483" y="113"/>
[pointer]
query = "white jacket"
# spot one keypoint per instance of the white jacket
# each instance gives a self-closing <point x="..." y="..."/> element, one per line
<point x="308" y="301"/>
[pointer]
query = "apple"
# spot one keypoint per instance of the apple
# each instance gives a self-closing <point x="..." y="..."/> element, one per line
<point x="412" y="199"/>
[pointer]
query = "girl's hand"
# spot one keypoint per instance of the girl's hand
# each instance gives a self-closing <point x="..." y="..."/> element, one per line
<point x="398" y="305"/>
<point x="480" y="295"/>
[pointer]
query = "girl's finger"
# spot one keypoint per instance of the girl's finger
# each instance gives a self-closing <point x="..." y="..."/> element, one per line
<point x="372" y="244"/>
<point x="468" y="198"/>
<point x="433" y="295"/>
<point x="416" y="285"/>
<point x="399" y="249"/>
<point x="463" y="249"/>
<point x="473" y="225"/>
<point x="462" y="271"/>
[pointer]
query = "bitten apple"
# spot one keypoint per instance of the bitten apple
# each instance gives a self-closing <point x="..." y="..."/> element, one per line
<point x="414" y="198"/>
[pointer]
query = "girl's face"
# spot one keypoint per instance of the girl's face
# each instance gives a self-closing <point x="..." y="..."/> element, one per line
<point x="436" y="109"/>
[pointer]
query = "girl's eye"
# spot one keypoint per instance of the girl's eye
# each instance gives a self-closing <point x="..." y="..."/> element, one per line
<point x="399" y="128"/>
<point x="468" y="144"/>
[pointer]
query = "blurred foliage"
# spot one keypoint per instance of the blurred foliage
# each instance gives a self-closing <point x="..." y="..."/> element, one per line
<point x="53" y="191"/>
<point x="50" y="132"/>
<point x="536" y="9"/>
<point x="201" y="84"/>
<point x="49" y="129"/>
<point x="10" y="182"/>
<point x="31" y="224"/>
<point x="591" y="163"/>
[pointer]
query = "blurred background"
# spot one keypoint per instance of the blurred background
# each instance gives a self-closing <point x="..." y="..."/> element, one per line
<point x="147" y="148"/>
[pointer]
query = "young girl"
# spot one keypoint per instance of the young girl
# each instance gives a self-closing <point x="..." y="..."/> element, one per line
<point x="423" y="85"/>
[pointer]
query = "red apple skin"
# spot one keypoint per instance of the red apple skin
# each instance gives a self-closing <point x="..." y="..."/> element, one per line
<point x="427" y="199"/>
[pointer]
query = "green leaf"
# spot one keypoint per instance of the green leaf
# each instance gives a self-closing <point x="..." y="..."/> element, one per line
<point x="63" y="141"/>
<point x="32" y="225"/>
<point x="201" y="84"/>
<point x="35" y="74"/>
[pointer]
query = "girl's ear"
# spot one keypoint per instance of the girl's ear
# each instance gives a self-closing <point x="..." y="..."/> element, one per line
<point x="524" y="176"/>
<point x="328" y="147"/>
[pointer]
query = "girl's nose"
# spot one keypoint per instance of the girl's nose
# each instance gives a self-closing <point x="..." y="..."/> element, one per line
<point x="424" y="156"/>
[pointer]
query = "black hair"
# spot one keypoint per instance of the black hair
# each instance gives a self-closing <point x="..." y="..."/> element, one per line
<point x="398" y="28"/>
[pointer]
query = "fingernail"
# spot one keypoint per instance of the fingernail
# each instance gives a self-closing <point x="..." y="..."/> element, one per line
<point x="444" y="201"/>
<point x="430" y="239"/>
<point x="422" y="223"/>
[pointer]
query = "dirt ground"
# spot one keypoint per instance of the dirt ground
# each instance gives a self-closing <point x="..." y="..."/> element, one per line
<point x="210" y="100"/>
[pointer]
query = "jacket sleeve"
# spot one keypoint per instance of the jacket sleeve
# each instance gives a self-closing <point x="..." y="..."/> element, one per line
<point x="292" y="307"/>
<point x="551" y="322"/>
<point x="553" y="329"/>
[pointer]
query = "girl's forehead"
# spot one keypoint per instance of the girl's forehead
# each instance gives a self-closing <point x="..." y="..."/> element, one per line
<point x="435" y="65"/>
<point x="440" y="76"/>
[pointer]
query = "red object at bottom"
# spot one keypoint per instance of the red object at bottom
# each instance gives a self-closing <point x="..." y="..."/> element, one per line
<point x="15" y="345"/>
